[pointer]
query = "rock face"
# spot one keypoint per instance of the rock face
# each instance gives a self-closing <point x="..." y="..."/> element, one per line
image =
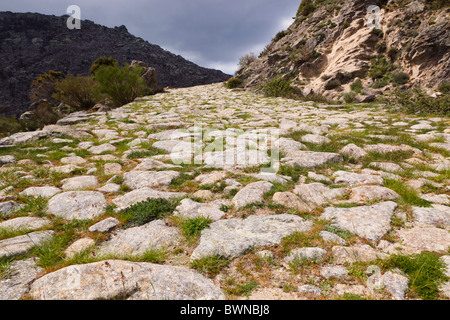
<point x="42" y="42"/>
<point x="127" y="280"/>
<point x="329" y="46"/>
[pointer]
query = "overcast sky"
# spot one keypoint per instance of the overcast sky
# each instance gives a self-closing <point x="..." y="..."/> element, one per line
<point x="211" y="33"/>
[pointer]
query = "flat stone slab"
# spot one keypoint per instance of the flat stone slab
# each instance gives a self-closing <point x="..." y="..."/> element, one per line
<point x="103" y="148"/>
<point x="438" y="215"/>
<point x="141" y="179"/>
<point x="364" y="194"/>
<point x="143" y="194"/>
<point x="20" y="274"/>
<point x="25" y="223"/>
<point x="425" y="238"/>
<point x="24" y="137"/>
<point x="357" y="179"/>
<point x="354" y="254"/>
<point x="104" y="225"/>
<point x="230" y="238"/>
<point x="8" y="207"/>
<point x="234" y="158"/>
<point x="252" y="193"/>
<point x="138" y="240"/>
<point x="6" y="160"/>
<point x="288" y="146"/>
<point x="79" y="205"/>
<point x="126" y="280"/>
<point x="310" y="159"/>
<point x="370" y="222"/>
<point x="317" y="194"/>
<point x="191" y="209"/>
<point x="22" y="244"/>
<point x="79" y="183"/>
<point x="45" y="192"/>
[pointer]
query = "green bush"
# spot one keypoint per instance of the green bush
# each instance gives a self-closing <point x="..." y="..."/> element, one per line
<point x="416" y="101"/>
<point x="280" y="35"/>
<point x="306" y="8"/>
<point x="356" y="86"/>
<point x="76" y="91"/>
<point x="9" y="126"/>
<point x="279" y="87"/>
<point x="349" y="97"/>
<point x="444" y="87"/>
<point x="379" y="68"/>
<point x="233" y="83"/>
<point x="147" y="211"/>
<point x="102" y="62"/>
<point x="43" y="87"/>
<point x="121" y="84"/>
<point x="399" y="78"/>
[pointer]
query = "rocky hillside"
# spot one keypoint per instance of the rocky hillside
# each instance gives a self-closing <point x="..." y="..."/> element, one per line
<point x="209" y="193"/>
<point x="330" y="45"/>
<point x="31" y="44"/>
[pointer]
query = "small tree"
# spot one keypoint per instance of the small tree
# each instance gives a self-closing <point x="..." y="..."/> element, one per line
<point x="121" y="84"/>
<point x="246" y="60"/>
<point x="76" y="91"/>
<point x="43" y="87"/>
<point x="102" y="62"/>
<point x="306" y="8"/>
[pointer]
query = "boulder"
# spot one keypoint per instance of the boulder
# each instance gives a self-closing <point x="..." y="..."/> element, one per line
<point x="79" y="205"/>
<point x="232" y="237"/>
<point x="125" y="280"/>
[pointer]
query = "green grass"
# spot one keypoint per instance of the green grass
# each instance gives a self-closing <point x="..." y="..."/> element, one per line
<point x="425" y="272"/>
<point x="147" y="211"/>
<point x="408" y="195"/>
<point x="193" y="227"/>
<point x="210" y="266"/>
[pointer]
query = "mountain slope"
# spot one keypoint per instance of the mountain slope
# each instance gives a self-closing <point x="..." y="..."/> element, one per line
<point x="31" y="44"/>
<point x="329" y="45"/>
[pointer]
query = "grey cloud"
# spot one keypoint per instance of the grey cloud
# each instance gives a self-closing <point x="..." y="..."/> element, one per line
<point x="211" y="33"/>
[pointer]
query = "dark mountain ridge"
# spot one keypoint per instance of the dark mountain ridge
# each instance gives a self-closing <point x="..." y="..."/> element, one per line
<point x="32" y="44"/>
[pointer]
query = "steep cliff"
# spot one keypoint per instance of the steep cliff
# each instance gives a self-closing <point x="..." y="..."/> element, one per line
<point x="330" y="44"/>
<point x="31" y="44"/>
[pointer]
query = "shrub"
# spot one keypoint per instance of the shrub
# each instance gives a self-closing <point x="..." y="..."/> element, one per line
<point x="246" y="60"/>
<point x="379" y="68"/>
<point x="444" y="87"/>
<point x="76" y="91"/>
<point x="233" y="83"/>
<point x="121" y="84"/>
<point x="280" y="35"/>
<point x="102" y="62"/>
<point x="418" y="102"/>
<point x="9" y="126"/>
<point x="279" y="87"/>
<point x="399" y="78"/>
<point x="306" y="8"/>
<point x="147" y="211"/>
<point x="356" y="86"/>
<point x="349" y="97"/>
<point x="43" y="87"/>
